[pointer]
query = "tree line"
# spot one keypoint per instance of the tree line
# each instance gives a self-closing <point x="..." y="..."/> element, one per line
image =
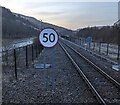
<point x="107" y="34"/>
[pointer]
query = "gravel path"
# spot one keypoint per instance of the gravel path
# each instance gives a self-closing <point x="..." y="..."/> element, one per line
<point x="59" y="84"/>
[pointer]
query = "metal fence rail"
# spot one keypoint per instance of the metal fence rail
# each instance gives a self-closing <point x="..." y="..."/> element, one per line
<point x="108" y="49"/>
<point x="19" y="59"/>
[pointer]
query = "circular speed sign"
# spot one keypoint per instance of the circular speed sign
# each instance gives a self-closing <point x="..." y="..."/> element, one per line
<point x="48" y="37"/>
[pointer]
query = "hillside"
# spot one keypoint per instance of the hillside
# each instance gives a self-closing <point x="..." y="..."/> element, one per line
<point x="107" y="34"/>
<point x="19" y="26"/>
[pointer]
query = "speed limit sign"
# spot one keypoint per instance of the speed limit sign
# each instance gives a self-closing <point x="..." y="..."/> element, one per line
<point x="48" y="37"/>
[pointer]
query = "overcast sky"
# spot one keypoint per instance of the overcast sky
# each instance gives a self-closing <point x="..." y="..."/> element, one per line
<point x="72" y="15"/>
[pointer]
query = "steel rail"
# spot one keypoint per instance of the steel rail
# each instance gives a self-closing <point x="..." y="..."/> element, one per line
<point x="94" y="91"/>
<point x="117" y="84"/>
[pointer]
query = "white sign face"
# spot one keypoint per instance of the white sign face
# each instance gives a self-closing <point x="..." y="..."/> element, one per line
<point x="48" y="37"/>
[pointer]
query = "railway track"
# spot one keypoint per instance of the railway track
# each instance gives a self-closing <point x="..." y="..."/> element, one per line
<point x="105" y="88"/>
<point x="102" y="62"/>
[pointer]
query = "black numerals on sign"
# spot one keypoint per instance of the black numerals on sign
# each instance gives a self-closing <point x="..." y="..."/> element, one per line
<point x="47" y="37"/>
<point x="50" y="37"/>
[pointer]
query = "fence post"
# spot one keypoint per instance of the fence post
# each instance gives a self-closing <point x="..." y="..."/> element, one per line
<point x="79" y="41"/>
<point x="89" y="45"/>
<point x="118" y="55"/>
<point x="36" y="50"/>
<point x="26" y="58"/>
<point x="32" y="53"/>
<point x="15" y="64"/>
<point x="99" y="47"/>
<point x="94" y="45"/>
<point x="6" y="55"/>
<point x="107" y="49"/>
<point x="39" y="48"/>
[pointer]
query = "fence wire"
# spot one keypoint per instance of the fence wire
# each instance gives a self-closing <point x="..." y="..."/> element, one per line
<point x="15" y="61"/>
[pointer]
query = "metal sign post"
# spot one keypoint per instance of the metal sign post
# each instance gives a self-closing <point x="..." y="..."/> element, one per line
<point x="53" y="74"/>
<point x="48" y="38"/>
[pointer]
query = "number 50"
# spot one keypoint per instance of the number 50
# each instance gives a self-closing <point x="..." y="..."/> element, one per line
<point x="50" y="37"/>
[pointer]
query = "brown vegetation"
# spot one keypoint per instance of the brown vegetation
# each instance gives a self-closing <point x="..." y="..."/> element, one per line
<point x="107" y="34"/>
